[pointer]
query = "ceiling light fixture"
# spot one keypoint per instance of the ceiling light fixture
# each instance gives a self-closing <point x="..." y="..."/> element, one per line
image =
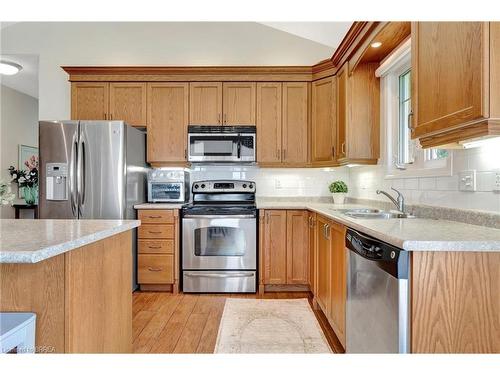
<point x="9" y="68"/>
<point x="376" y="44"/>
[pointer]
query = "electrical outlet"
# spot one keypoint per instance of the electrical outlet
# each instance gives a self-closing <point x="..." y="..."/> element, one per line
<point x="467" y="181"/>
<point x="496" y="182"/>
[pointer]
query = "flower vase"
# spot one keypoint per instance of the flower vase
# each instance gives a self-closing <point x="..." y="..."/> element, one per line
<point x="30" y="195"/>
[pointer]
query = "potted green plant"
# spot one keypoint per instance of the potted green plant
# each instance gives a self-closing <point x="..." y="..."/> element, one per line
<point x="339" y="191"/>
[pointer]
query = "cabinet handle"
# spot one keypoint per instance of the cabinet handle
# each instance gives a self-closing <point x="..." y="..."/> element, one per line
<point x="327" y="231"/>
<point x="278" y="153"/>
<point x="105" y="116"/>
<point x="267" y="218"/>
<point x="155" y="217"/>
<point x="343" y="148"/>
<point x="225" y="118"/>
<point x="185" y="154"/>
<point x="154" y="247"/>
<point x="284" y="154"/>
<point x="333" y="151"/>
<point x="152" y="269"/>
<point x="218" y="118"/>
<point x="410" y="118"/>
<point x="154" y="232"/>
<point x="111" y="116"/>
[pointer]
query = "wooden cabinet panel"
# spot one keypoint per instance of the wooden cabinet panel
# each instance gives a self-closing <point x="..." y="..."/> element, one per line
<point x="164" y="231"/>
<point x="155" y="246"/>
<point x="156" y="216"/>
<point x="127" y="102"/>
<point x="297" y="247"/>
<point x="155" y="269"/>
<point x="269" y="122"/>
<point x="275" y="247"/>
<point x="323" y="261"/>
<point x="323" y="121"/>
<point x="167" y="122"/>
<point x="295" y="123"/>
<point x="338" y="281"/>
<point x="89" y="100"/>
<point x="205" y="103"/>
<point x="342" y="110"/>
<point x="239" y="103"/>
<point x="449" y="74"/>
<point x="312" y="251"/>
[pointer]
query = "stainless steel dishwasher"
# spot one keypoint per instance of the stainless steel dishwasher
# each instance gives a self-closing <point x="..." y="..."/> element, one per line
<point x="377" y="313"/>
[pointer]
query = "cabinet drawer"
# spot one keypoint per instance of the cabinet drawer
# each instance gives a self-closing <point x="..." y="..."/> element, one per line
<point x="156" y="216"/>
<point x="155" y="269"/>
<point x="164" y="231"/>
<point x="158" y="246"/>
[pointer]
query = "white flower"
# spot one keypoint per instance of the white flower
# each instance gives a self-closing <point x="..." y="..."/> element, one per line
<point x="6" y="195"/>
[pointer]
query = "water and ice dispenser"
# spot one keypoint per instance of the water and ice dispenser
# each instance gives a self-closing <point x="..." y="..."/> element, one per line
<point x="56" y="181"/>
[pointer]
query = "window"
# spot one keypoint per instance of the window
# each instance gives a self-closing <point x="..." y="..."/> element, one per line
<point x="403" y="156"/>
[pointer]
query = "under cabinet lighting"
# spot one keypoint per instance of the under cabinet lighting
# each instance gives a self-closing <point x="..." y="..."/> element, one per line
<point x="9" y="68"/>
<point x="495" y="141"/>
<point x="376" y="44"/>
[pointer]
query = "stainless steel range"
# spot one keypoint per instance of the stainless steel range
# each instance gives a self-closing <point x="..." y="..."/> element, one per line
<point x="219" y="238"/>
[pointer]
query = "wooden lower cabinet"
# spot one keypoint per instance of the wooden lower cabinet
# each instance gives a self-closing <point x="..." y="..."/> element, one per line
<point x="312" y="250"/>
<point x="330" y="273"/>
<point x="158" y="250"/>
<point x="285" y="252"/>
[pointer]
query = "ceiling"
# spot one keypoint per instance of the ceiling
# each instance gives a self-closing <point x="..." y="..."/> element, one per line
<point x="328" y="33"/>
<point x="26" y="81"/>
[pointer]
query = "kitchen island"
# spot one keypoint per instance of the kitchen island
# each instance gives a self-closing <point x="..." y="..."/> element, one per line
<point x="76" y="276"/>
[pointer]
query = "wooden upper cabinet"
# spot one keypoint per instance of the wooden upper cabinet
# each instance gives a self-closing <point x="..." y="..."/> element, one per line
<point x="295" y="123"/>
<point x="167" y="122"/>
<point x="89" y="100"/>
<point x="338" y="281"/>
<point x="358" y="114"/>
<point x="127" y="101"/>
<point x="324" y="120"/>
<point x="275" y="241"/>
<point x="269" y="122"/>
<point x="239" y="103"/>
<point x="297" y="248"/>
<point x="323" y="262"/>
<point x="455" y="80"/>
<point x="205" y="103"/>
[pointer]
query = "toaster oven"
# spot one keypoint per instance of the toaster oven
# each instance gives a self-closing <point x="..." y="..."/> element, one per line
<point x="168" y="186"/>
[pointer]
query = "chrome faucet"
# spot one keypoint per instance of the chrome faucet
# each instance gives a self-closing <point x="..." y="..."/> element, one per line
<point x="399" y="202"/>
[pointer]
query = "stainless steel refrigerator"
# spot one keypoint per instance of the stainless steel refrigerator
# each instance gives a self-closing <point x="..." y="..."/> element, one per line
<point x="91" y="170"/>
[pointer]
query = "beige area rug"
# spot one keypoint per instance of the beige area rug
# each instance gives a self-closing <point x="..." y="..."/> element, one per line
<point x="269" y="326"/>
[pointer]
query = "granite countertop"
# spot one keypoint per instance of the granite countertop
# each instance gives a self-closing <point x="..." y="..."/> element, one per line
<point x="408" y="234"/>
<point x="31" y="241"/>
<point x="159" y="206"/>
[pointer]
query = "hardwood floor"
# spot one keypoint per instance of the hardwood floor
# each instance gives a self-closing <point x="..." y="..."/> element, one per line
<point x="189" y="323"/>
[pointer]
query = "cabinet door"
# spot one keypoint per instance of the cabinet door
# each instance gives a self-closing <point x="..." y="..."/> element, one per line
<point x="89" y="100"/>
<point x="312" y="251"/>
<point x="269" y="122"/>
<point x="167" y="122"/>
<point x="323" y="261"/>
<point x="342" y="110"/>
<point x="275" y="247"/>
<point x="239" y="103"/>
<point x="205" y="103"/>
<point x="338" y="281"/>
<point x="127" y="102"/>
<point x="295" y="122"/>
<point x="297" y="248"/>
<point x="449" y="74"/>
<point x="323" y="121"/>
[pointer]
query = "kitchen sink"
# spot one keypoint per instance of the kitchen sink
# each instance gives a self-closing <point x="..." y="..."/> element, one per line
<point x="366" y="213"/>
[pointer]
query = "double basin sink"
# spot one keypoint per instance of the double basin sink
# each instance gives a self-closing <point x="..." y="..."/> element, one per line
<point x="370" y="213"/>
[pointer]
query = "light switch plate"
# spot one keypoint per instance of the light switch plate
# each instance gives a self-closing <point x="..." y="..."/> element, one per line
<point x="467" y="180"/>
<point x="496" y="182"/>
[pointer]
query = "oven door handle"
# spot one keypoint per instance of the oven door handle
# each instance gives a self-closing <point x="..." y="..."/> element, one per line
<point x="219" y="216"/>
<point x="219" y="275"/>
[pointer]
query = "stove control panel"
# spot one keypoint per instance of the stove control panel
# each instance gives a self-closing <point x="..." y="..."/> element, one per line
<point x="223" y="186"/>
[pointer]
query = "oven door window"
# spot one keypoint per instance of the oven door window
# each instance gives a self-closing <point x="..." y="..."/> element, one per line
<point x="165" y="191"/>
<point x="213" y="146"/>
<point x="219" y="241"/>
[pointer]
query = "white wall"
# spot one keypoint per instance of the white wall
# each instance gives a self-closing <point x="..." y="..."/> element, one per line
<point x="277" y="182"/>
<point x="166" y="43"/>
<point x="438" y="191"/>
<point x="18" y="125"/>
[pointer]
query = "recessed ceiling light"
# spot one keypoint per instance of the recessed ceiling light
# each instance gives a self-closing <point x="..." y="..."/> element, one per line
<point x="9" y="68"/>
<point x="376" y="44"/>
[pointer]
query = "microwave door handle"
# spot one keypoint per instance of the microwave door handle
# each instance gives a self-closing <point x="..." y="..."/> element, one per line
<point x="239" y="147"/>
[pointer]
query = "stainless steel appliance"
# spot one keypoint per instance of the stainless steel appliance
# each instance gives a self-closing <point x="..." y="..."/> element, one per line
<point x="219" y="238"/>
<point x="377" y="315"/>
<point x="91" y="170"/>
<point x="221" y="144"/>
<point x="168" y="185"/>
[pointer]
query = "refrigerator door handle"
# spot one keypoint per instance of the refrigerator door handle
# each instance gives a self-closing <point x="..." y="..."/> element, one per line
<point x="84" y="174"/>
<point x="73" y="175"/>
<point x="81" y="177"/>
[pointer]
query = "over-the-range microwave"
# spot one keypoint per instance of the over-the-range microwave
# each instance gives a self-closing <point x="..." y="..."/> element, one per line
<point x="221" y="144"/>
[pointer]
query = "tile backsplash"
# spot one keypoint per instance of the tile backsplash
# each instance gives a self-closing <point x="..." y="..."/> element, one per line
<point x="437" y="191"/>
<point x="276" y="182"/>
